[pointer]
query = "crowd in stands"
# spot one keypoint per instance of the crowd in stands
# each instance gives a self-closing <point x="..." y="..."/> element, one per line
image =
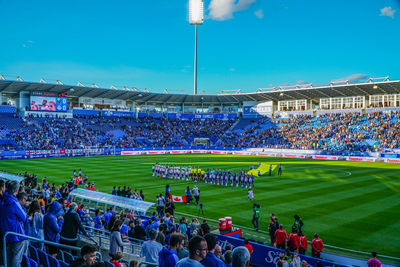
<point x="346" y="132"/>
<point x="331" y="132"/>
<point x="254" y="136"/>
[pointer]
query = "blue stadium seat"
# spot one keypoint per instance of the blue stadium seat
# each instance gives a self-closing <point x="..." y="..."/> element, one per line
<point x="43" y="258"/>
<point x="33" y="254"/>
<point x="28" y="262"/>
<point x="68" y="258"/>
<point x="108" y="264"/>
<point x="25" y="261"/>
<point x="60" y="255"/>
<point x="32" y="263"/>
<point x="63" y="264"/>
<point x="53" y="261"/>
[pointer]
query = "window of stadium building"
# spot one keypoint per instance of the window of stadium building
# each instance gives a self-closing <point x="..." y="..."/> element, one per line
<point x="301" y="104"/>
<point x="291" y="105"/>
<point x="336" y="103"/>
<point x="282" y="106"/>
<point x="325" y="103"/>
<point x="380" y="101"/>
<point x="348" y="102"/>
<point x="375" y="101"/>
<point x="389" y="100"/>
<point x="359" y="101"/>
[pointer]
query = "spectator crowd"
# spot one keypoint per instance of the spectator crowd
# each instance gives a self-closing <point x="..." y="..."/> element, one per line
<point x="351" y="132"/>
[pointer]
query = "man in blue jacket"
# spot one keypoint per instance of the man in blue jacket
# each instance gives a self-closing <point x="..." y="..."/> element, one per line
<point x="169" y="257"/>
<point x="52" y="225"/>
<point x="211" y="260"/>
<point x="13" y="217"/>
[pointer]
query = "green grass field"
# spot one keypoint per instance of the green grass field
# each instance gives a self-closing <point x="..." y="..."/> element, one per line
<point x="353" y="205"/>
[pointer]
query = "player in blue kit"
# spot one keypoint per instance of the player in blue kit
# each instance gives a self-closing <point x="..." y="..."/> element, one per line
<point x="236" y="179"/>
<point x="223" y="177"/>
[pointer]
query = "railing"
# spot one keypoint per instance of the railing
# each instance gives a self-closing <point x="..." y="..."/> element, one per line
<point x="40" y="241"/>
<point x="104" y="238"/>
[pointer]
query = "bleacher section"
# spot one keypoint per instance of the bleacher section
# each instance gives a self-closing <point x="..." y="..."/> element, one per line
<point x="329" y="133"/>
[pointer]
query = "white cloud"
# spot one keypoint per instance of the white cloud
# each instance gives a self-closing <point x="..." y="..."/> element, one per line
<point x="353" y="78"/>
<point x="224" y="9"/>
<point x="388" y="12"/>
<point x="259" y="13"/>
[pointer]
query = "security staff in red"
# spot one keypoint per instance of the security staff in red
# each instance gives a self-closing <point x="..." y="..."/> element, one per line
<point x="303" y="244"/>
<point x="293" y="240"/>
<point x="317" y="246"/>
<point x="280" y="237"/>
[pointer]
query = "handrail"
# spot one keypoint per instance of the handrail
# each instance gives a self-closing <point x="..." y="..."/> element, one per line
<point x="105" y="232"/>
<point x="145" y="263"/>
<point x="106" y="235"/>
<point x="36" y="240"/>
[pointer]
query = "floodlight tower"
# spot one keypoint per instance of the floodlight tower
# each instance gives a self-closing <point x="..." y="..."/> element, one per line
<point x="196" y="16"/>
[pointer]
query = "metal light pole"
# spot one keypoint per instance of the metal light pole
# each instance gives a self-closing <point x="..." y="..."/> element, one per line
<point x="196" y="16"/>
<point x="195" y="60"/>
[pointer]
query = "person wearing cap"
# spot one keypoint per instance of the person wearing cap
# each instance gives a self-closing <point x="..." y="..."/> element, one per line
<point x="317" y="246"/>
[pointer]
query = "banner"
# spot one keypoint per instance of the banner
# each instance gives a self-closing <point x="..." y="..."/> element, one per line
<point x="112" y="113"/>
<point x="189" y="116"/>
<point x="264" y="255"/>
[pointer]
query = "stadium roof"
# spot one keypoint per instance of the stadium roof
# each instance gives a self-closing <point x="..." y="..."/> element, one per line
<point x="273" y="94"/>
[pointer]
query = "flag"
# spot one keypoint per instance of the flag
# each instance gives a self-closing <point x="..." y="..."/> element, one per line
<point x="178" y="198"/>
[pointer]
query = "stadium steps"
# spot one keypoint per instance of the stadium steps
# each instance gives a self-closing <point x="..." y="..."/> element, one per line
<point x="241" y="124"/>
<point x="10" y="122"/>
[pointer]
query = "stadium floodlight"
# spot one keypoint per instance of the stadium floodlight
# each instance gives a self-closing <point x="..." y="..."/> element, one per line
<point x="196" y="16"/>
<point x="196" y="11"/>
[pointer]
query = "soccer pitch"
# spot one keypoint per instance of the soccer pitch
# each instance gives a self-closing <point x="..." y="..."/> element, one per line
<point x="354" y="205"/>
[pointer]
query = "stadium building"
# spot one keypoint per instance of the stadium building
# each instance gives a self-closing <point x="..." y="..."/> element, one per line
<point x="340" y="121"/>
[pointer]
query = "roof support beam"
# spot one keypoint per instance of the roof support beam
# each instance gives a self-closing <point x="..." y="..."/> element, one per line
<point x="8" y="86"/>
<point x="86" y="91"/>
<point x="337" y="91"/>
<point x="23" y="88"/>
<point x="119" y="95"/>
<point x="361" y="90"/>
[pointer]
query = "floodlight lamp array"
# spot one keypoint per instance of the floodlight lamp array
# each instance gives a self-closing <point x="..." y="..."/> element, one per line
<point x="196" y="11"/>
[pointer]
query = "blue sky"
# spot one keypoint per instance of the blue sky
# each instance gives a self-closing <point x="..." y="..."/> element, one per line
<point x="243" y="44"/>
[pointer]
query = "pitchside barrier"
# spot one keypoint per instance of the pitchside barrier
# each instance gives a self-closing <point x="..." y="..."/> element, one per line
<point x="285" y="153"/>
<point x="267" y="256"/>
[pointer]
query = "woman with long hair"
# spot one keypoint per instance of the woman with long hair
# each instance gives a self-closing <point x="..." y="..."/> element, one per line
<point x="116" y="243"/>
<point x="35" y="223"/>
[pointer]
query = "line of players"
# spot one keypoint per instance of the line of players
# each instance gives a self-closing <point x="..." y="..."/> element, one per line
<point x="217" y="177"/>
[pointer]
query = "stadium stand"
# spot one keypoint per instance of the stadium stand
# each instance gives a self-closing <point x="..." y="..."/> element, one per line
<point x="351" y="132"/>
